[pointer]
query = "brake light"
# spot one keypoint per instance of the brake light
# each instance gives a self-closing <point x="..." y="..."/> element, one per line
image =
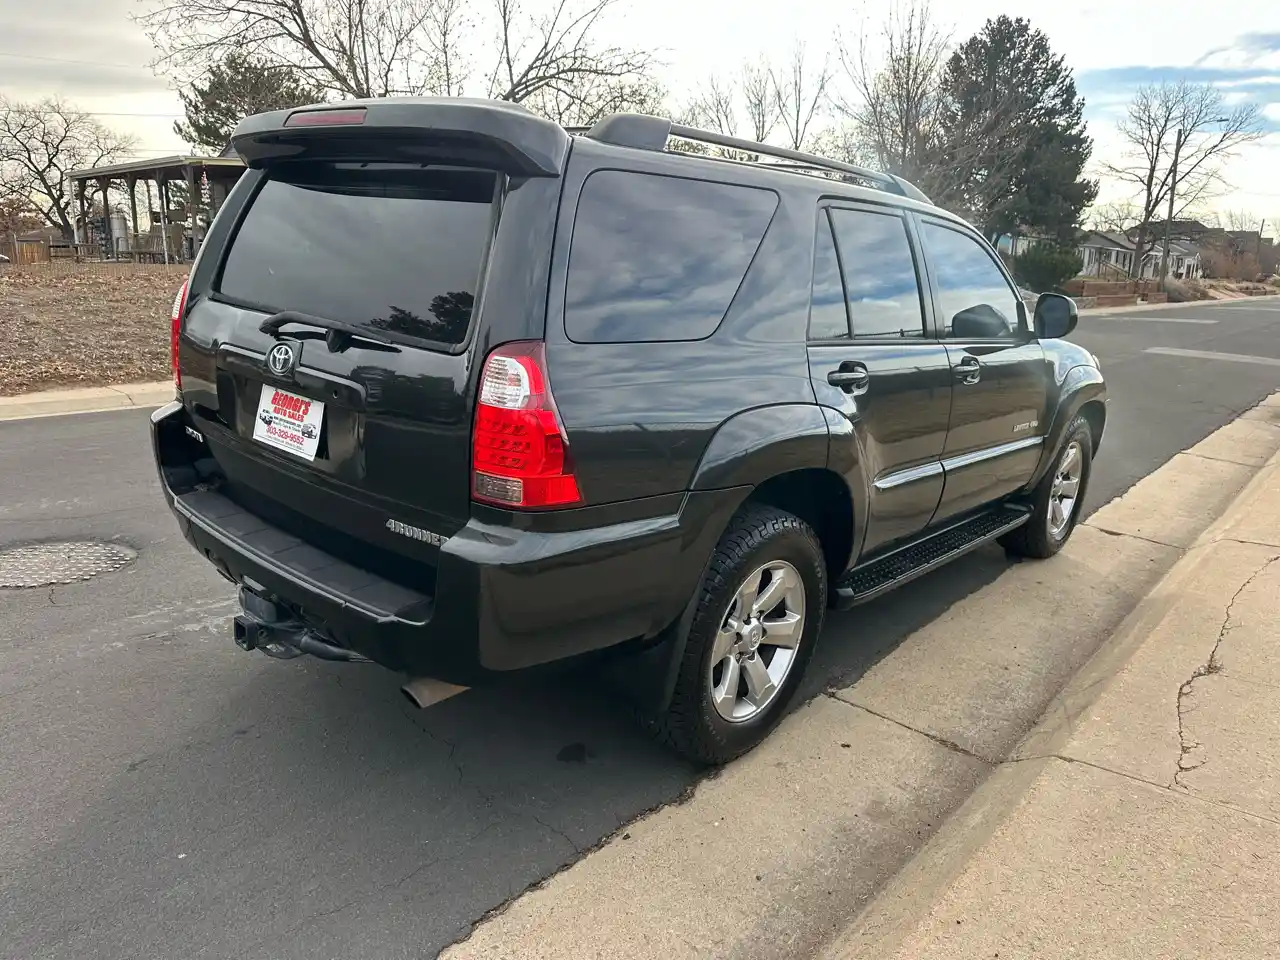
<point x="175" y="327"/>
<point x="519" y="452"/>
<point x="326" y="118"/>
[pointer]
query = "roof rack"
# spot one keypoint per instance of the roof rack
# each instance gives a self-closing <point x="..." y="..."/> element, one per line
<point x="652" y="133"/>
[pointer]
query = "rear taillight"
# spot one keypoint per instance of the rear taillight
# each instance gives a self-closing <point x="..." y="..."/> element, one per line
<point x="519" y="451"/>
<point x="175" y="327"/>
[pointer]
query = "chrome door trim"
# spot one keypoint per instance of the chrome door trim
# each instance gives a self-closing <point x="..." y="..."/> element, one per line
<point x="990" y="453"/>
<point x="910" y="475"/>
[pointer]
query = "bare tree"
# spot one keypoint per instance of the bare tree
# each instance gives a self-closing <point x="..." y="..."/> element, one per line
<point x="798" y="93"/>
<point x="40" y="143"/>
<point x="1117" y="217"/>
<point x="1192" y="122"/>
<point x="842" y="142"/>
<point x="378" y="48"/>
<point x="713" y="107"/>
<point x="759" y="103"/>
<point x="1241" y="221"/>
<point x="354" y="48"/>
<point x="555" y="51"/>
<point x="896" y="107"/>
<point x="593" y="99"/>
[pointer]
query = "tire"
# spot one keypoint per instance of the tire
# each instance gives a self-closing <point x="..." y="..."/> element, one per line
<point x="764" y="549"/>
<point x="1047" y="532"/>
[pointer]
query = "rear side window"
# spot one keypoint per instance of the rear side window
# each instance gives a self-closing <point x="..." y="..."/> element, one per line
<point x="390" y="247"/>
<point x="659" y="258"/>
<point x="879" y="274"/>
<point x="827" y="317"/>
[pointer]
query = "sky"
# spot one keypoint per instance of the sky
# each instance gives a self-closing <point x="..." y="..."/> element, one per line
<point x="1113" y="47"/>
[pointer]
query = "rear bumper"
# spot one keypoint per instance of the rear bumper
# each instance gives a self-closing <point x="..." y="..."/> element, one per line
<point x="504" y="598"/>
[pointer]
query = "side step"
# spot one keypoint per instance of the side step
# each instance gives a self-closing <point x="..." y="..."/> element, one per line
<point x="883" y="574"/>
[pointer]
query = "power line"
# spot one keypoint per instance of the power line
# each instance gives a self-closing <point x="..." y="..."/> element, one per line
<point x="86" y="63"/>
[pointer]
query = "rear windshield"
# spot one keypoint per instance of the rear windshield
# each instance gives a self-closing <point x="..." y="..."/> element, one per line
<point x="385" y="246"/>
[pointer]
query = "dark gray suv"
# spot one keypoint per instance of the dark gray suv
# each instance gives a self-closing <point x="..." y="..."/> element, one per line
<point x="464" y="392"/>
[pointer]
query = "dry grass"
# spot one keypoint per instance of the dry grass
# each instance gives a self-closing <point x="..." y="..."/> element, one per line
<point x="84" y="325"/>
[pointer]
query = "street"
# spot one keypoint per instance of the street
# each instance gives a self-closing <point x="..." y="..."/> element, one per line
<point x="163" y="794"/>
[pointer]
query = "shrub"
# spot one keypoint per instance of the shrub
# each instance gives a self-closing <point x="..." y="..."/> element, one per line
<point x="1184" y="291"/>
<point x="1045" y="267"/>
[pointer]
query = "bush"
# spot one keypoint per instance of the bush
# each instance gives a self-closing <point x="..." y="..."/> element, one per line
<point x="1045" y="267"/>
<point x="1184" y="291"/>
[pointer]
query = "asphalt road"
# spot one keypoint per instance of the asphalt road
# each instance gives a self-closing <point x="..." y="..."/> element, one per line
<point x="163" y="794"/>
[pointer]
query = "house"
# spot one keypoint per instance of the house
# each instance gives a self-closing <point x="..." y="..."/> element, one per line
<point x="1105" y="254"/>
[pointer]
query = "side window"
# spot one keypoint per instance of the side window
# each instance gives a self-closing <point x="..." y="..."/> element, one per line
<point x="879" y="274"/>
<point x="828" y="319"/>
<point x="974" y="299"/>
<point x="657" y="258"/>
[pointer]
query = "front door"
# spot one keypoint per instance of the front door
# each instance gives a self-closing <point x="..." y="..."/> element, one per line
<point x="871" y="362"/>
<point x="999" y="371"/>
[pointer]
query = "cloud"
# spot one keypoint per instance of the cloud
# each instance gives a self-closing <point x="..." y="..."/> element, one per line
<point x="1257" y="50"/>
<point x="1247" y="71"/>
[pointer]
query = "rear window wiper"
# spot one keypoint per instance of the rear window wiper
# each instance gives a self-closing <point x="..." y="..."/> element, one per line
<point x="340" y="333"/>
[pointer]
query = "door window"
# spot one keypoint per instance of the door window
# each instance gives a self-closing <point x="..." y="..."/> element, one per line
<point x="975" y="300"/>
<point x="879" y="274"/>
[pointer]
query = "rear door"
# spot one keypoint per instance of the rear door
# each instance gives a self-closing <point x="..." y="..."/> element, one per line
<point x="870" y="359"/>
<point x="329" y="355"/>
<point x="1001" y="378"/>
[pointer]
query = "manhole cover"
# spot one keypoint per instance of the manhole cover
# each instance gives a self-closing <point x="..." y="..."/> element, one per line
<point x="48" y="564"/>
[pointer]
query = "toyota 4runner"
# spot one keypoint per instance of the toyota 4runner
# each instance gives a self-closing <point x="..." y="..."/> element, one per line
<point x="463" y="392"/>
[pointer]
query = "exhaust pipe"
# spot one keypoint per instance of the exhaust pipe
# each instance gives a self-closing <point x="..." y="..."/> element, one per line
<point x="422" y="692"/>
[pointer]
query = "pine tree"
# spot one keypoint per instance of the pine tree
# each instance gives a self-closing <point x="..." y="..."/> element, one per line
<point x="1019" y="139"/>
<point x="237" y="88"/>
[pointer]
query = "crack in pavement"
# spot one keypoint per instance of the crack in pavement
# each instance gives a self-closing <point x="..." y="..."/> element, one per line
<point x="1211" y="666"/>
<point x="940" y="741"/>
<point x="1132" y="536"/>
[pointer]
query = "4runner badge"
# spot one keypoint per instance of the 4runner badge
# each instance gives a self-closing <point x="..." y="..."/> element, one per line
<point x="415" y="533"/>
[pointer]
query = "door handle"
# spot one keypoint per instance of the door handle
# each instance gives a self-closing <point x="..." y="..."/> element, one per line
<point x="850" y="378"/>
<point x="968" y="370"/>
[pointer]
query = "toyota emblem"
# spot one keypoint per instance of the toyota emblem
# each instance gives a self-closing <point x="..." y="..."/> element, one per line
<point x="280" y="359"/>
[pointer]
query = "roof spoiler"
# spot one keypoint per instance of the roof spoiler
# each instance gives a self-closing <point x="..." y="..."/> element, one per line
<point x="484" y="133"/>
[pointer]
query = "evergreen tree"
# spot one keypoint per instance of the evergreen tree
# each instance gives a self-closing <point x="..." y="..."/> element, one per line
<point x="239" y="87"/>
<point x="1016" y="133"/>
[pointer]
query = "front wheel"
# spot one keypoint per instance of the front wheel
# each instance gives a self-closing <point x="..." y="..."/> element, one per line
<point x="1057" y="499"/>
<point x="760" y="610"/>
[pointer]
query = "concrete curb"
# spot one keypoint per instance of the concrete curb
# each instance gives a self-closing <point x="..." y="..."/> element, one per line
<point x="56" y="403"/>
<point x="897" y="910"/>
<point x="1103" y="311"/>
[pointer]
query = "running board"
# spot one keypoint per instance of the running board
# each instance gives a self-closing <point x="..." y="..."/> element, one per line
<point x="888" y="572"/>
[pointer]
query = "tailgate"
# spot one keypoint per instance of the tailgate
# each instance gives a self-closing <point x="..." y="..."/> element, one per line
<point x="329" y="353"/>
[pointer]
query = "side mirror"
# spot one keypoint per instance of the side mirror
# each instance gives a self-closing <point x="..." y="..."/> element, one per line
<point x="1056" y="316"/>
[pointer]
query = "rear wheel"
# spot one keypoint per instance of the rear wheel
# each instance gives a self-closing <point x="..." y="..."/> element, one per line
<point x="1057" y="498"/>
<point x="760" y="610"/>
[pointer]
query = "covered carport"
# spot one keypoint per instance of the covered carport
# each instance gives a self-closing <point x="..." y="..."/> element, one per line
<point x="172" y="235"/>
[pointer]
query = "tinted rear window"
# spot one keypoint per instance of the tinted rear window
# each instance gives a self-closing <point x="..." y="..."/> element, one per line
<point x="388" y="247"/>
<point x="659" y="258"/>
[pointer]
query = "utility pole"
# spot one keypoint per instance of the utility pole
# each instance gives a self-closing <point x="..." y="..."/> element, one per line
<point x="1168" y="223"/>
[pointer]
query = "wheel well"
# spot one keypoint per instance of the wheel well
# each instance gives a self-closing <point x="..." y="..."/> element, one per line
<point x="1095" y="414"/>
<point x="821" y="499"/>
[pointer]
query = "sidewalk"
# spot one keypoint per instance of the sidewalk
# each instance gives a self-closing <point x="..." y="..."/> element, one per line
<point x="1141" y="819"/>
<point x="68" y="400"/>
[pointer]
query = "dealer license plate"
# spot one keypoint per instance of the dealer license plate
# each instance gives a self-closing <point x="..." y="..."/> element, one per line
<point x="289" y="422"/>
